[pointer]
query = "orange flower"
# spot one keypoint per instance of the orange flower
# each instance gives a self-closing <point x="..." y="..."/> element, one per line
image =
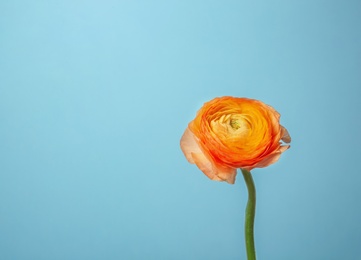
<point x="230" y="133"/>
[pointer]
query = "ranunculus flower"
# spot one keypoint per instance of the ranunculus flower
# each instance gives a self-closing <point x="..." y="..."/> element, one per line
<point x="230" y="133"/>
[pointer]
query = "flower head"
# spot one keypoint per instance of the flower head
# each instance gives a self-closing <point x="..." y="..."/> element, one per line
<point x="230" y="133"/>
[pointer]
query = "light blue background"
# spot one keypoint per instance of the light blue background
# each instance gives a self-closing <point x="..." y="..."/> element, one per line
<point x="95" y="95"/>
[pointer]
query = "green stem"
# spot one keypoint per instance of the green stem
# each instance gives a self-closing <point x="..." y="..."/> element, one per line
<point x="250" y="213"/>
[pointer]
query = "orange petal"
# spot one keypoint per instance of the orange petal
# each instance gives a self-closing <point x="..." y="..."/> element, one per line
<point x="270" y="159"/>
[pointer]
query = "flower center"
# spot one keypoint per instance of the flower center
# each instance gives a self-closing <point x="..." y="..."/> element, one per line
<point x="235" y="124"/>
<point x="230" y="126"/>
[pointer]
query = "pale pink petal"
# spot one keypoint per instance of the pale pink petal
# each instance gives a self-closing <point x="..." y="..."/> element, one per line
<point x="195" y="155"/>
<point x="283" y="148"/>
<point x="205" y="166"/>
<point x="285" y="136"/>
<point x="189" y="145"/>
<point x="226" y="174"/>
<point x="214" y="172"/>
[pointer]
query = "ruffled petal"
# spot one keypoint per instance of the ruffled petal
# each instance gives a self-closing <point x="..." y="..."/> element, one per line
<point x="189" y="145"/>
<point x="283" y="148"/>
<point x="285" y="136"/>
<point x="226" y="174"/>
<point x="270" y="159"/>
<point x="215" y="143"/>
<point x="205" y="166"/>
<point x="195" y="155"/>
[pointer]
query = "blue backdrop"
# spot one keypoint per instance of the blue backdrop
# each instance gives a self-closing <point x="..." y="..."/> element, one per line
<point x="95" y="95"/>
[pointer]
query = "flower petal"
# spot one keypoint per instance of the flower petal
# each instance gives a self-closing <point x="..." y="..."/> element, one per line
<point x="270" y="159"/>
<point x="226" y="174"/>
<point x="205" y="166"/>
<point x="189" y="145"/>
<point x="229" y="133"/>
<point x="285" y="136"/>
<point x="195" y="155"/>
